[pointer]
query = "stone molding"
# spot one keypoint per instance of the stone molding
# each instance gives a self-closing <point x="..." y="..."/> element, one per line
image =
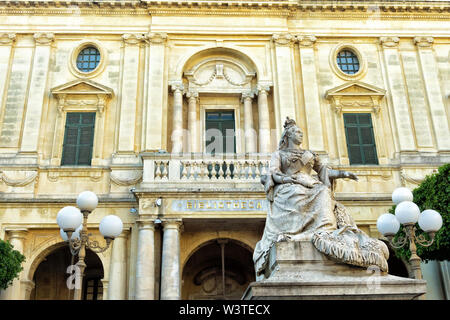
<point x="7" y="38"/>
<point x="18" y="178"/>
<point x="423" y="42"/>
<point x="133" y="39"/>
<point x="283" y="39"/>
<point x="389" y="42"/>
<point x="44" y="38"/>
<point x="262" y="7"/>
<point x="156" y="37"/>
<point x="306" y="40"/>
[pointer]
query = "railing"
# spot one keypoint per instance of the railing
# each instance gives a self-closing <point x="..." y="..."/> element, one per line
<point x="205" y="168"/>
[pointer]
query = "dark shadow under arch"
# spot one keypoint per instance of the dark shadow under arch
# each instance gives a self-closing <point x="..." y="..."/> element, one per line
<point x="50" y="276"/>
<point x="202" y="274"/>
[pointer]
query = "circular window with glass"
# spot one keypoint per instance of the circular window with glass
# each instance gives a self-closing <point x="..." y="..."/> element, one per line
<point x="88" y="59"/>
<point x="348" y="62"/>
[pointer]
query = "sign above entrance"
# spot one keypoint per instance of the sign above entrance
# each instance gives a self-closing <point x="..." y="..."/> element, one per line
<point x="220" y="205"/>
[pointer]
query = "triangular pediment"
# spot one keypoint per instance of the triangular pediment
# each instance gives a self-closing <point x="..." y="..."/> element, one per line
<point x="355" y="88"/>
<point x="82" y="86"/>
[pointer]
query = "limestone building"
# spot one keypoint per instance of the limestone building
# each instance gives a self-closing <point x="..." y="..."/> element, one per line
<point x="168" y="111"/>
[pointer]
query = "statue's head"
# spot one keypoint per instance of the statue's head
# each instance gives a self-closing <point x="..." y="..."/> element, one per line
<point x="290" y="132"/>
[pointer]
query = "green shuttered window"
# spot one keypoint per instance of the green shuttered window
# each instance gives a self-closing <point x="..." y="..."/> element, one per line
<point x="78" y="138"/>
<point x="220" y="132"/>
<point x="360" y="138"/>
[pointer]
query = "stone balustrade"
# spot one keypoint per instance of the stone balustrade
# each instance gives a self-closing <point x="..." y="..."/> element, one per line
<point x="205" y="168"/>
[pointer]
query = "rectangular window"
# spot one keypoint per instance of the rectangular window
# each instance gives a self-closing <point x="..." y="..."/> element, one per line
<point x="78" y="138"/>
<point x="360" y="138"/>
<point x="220" y="132"/>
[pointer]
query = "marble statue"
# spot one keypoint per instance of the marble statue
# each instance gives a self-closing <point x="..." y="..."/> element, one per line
<point x="303" y="207"/>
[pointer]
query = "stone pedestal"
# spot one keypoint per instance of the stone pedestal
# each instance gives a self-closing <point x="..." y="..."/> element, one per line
<point x="297" y="270"/>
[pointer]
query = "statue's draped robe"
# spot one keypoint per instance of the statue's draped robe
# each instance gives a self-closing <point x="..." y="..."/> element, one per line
<point x="298" y="212"/>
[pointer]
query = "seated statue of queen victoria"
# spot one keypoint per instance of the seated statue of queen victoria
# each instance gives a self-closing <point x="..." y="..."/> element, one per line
<point x="302" y="207"/>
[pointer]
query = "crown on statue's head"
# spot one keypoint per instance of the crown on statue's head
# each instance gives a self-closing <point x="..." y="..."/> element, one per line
<point x="289" y="123"/>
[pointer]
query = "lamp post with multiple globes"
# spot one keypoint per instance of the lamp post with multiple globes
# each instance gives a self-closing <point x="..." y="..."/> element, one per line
<point x="408" y="214"/>
<point x="73" y="224"/>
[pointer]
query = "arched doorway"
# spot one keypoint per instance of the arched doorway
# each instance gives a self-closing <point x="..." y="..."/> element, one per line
<point x="50" y="277"/>
<point x="220" y="269"/>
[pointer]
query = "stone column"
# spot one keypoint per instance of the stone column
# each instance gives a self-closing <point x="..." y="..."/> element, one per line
<point x="37" y="92"/>
<point x="192" y="121"/>
<point x="284" y="89"/>
<point x="311" y="92"/>
<point x="145" y="265"/>
<point x="397" y="92"/>
<point x="105" y="284"/>
<point x="6" y="47"/>
<point x="155" y="106"/>
<point x="117" y="288"/>
<point x="433" y="91"/>
<point x="14" y="291"/>
<point x="170" y="264"/>
<point x="129" y="93"/>
<point x="264" y="119"/>
<point x="250" y="141"/>
<point x="177" y="117"/>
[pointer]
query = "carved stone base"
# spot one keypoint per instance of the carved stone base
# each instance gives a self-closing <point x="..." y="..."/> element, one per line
<point x="297" y="270"/>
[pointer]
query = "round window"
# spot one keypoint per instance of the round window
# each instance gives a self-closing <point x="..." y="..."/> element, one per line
<point x="348" y="61"/>
<point x="88" y="59"/>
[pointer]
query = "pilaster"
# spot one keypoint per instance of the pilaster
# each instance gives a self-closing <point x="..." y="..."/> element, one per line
<point x="285" y="88"/>
<point x="155" y="106"/>
<point x="433" y="91"/>
<point x="37" y="91"/>
<point x="397" y="93"/>
<point x="311" y="92"/>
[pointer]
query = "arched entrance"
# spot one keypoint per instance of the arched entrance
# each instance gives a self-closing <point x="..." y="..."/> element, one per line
<point x="220" y="269"/>
<point x="50" y="277"/>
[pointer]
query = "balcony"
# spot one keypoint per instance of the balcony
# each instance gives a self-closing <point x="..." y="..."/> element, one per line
<point x="202" y="172"/>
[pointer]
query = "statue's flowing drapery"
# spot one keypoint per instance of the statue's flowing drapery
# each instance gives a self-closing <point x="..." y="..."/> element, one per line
<point x="306" y="210"/>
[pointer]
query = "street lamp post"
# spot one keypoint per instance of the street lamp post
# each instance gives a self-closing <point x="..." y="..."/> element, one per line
<point x="408" y="214"/>
<point x="73" y="224"/>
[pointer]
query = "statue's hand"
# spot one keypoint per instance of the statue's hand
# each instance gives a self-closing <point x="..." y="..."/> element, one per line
<point x="350" y="175"/>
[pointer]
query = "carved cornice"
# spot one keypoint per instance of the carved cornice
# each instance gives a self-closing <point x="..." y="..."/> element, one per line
<point x="43" y="38"/>
<point x="133" y="39"/>
<point x="424" y="42"/>
<point x="155" y="6"/>
<point x="389" y="42"/>
<point x="7" y="38"/>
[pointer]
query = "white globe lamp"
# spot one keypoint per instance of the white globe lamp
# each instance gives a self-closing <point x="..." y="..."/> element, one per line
<point x="69" y="218"/>
<point x="401" y="194"/>
<point x="388" y="224"/>
<point x="87" y="201"/>
<point x="430" y="220"/>
<point x="111" y="226"/>
<point x="407" y="212"/>
<point x="75" y="235"/>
